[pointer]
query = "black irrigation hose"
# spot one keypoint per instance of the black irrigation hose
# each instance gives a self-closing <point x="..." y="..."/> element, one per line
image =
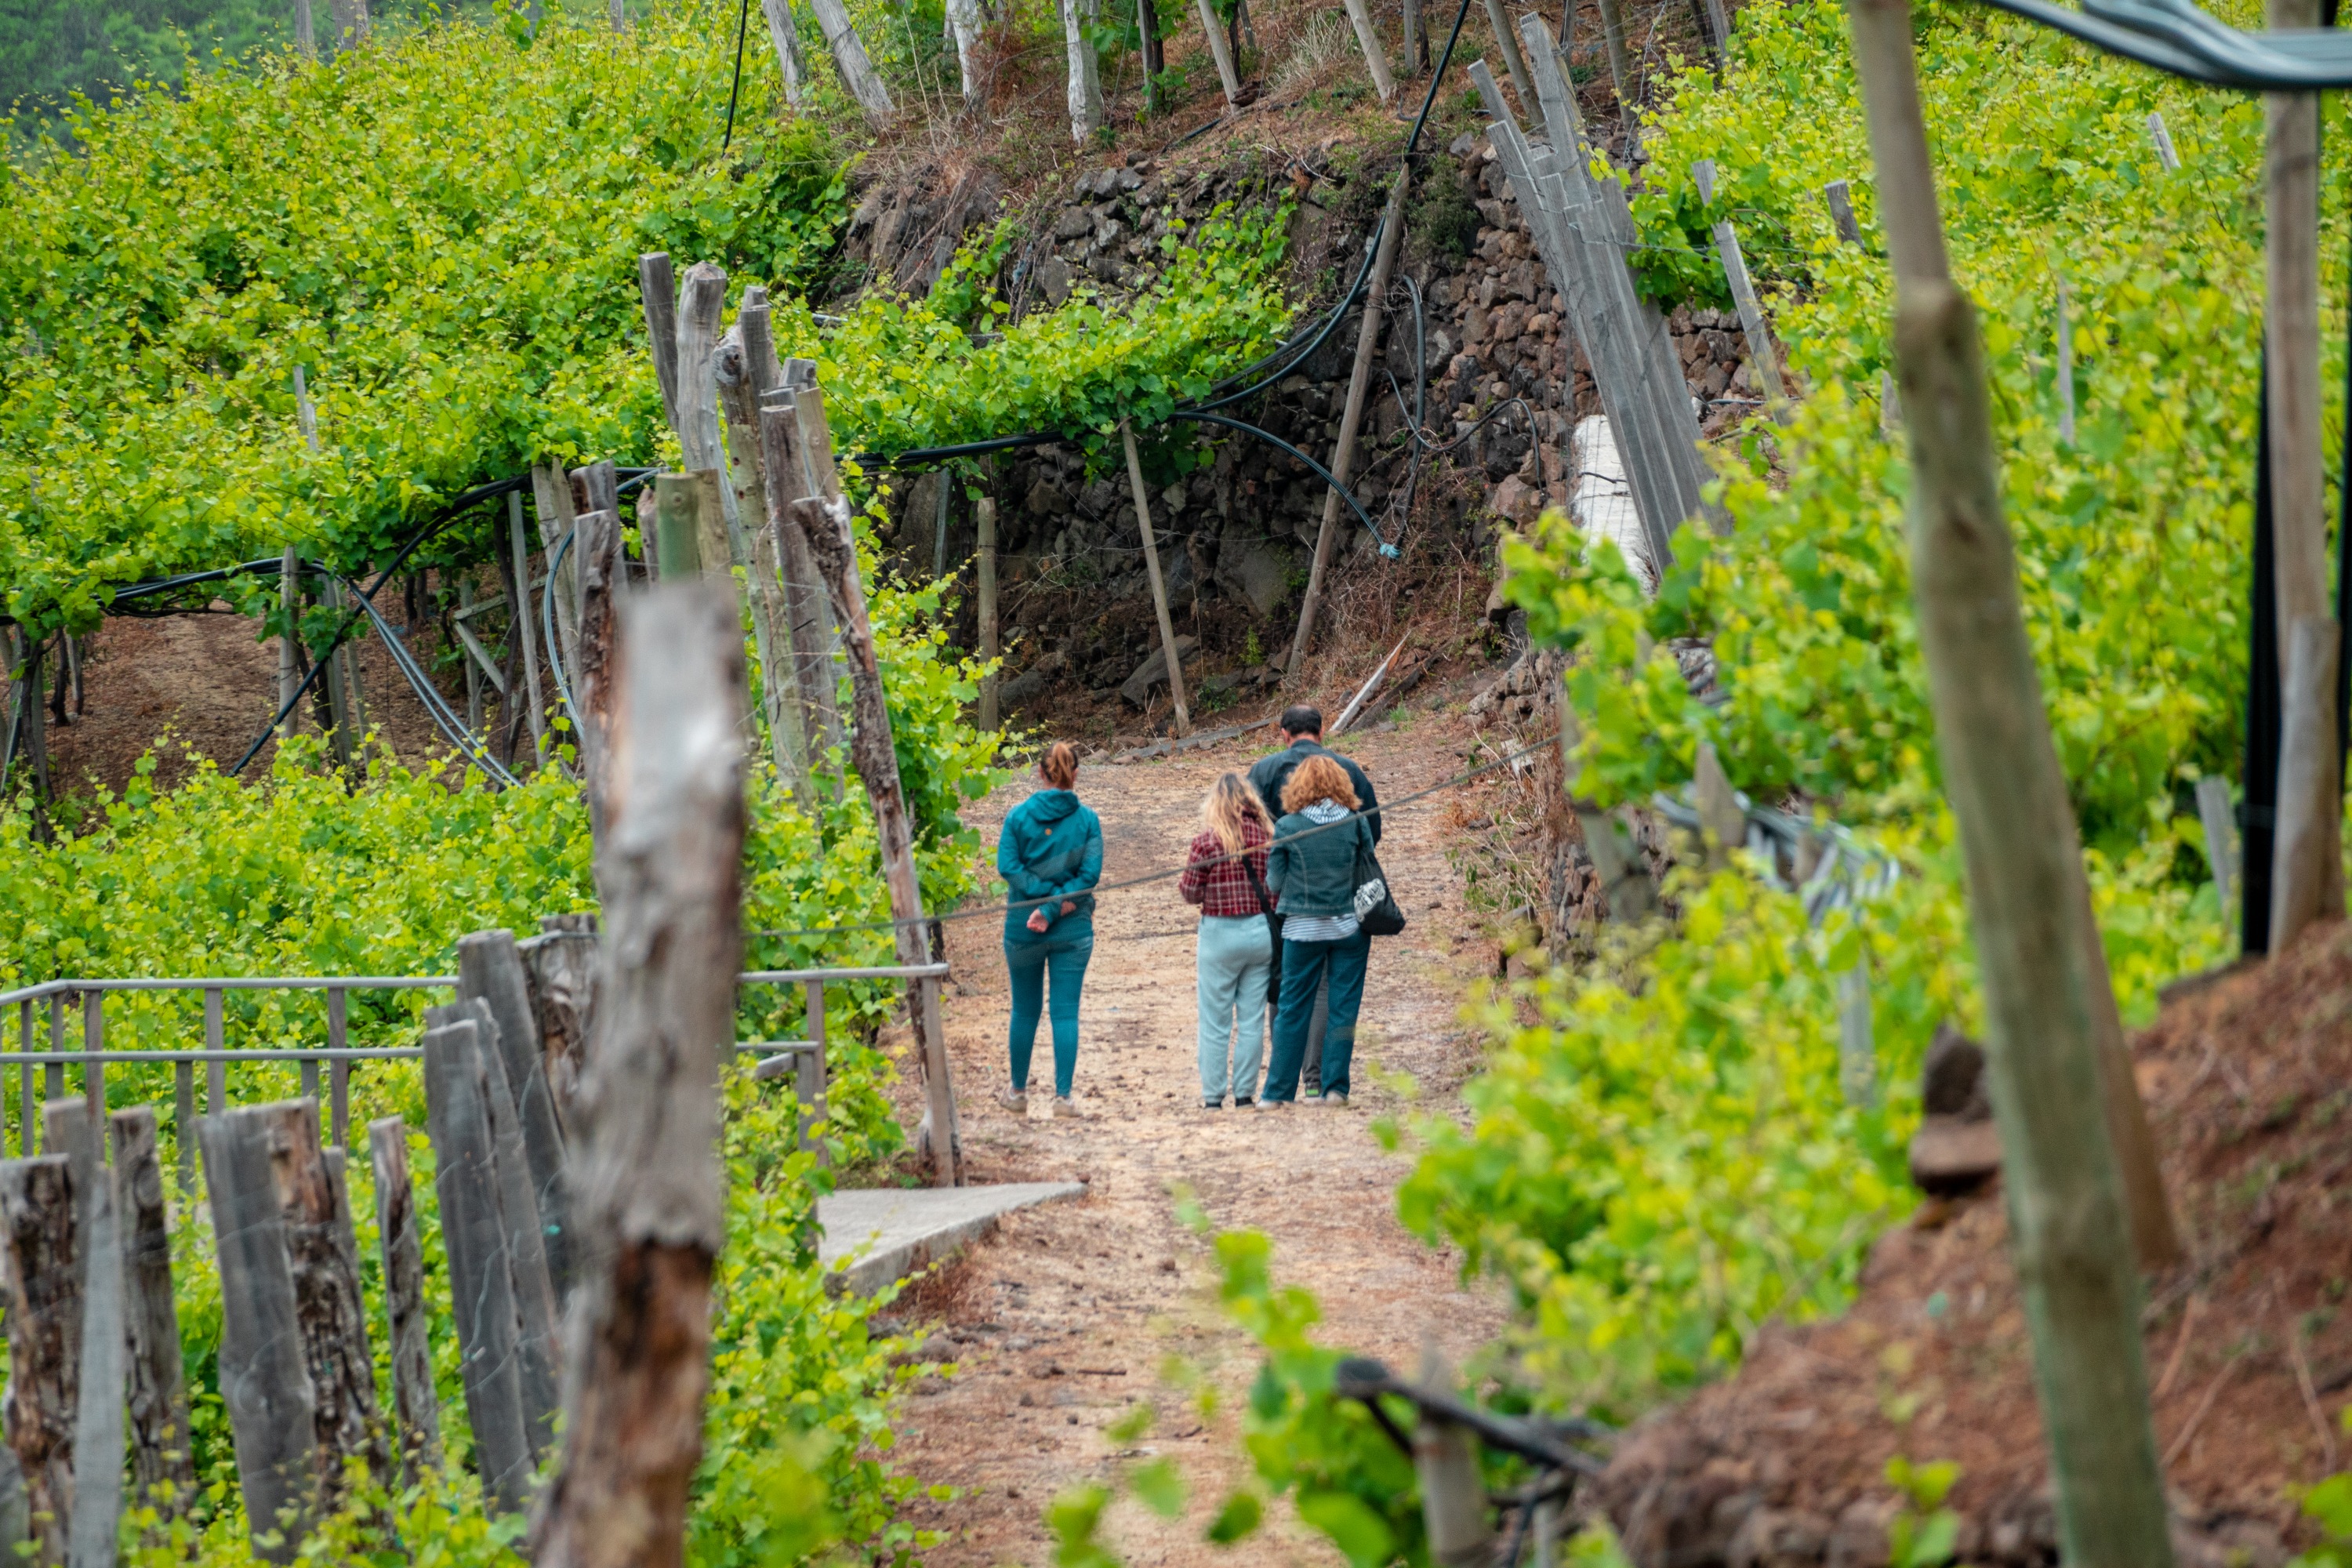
<point x="743" y="23"/>
<point x="1388" y="550"/>
<point x="547" y="624"/>
<point x="436" y="707"/>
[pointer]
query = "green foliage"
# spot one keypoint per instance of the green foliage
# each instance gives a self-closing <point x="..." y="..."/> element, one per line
<point x="443" y="235"/>
<point x="2329" y="1505"/>
<point x="1922" y="1534"/>
<point x="1661" y="1160"/>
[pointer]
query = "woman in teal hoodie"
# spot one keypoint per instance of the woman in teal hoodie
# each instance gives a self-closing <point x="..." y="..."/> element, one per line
<point x="1050" y="856"/>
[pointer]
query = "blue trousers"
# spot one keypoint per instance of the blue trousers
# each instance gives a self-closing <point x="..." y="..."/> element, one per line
<point x="1062" y="952"/>
<point x="1304" y="964"/>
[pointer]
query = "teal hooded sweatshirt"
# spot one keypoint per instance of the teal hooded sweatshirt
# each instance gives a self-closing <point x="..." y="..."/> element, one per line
<point x="1052" y="848"/>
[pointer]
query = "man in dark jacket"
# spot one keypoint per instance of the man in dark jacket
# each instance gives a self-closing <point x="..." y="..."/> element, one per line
<point x="1301" y="728"/>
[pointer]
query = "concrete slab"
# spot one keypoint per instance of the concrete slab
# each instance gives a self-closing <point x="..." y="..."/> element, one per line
<point x="902" y="1229"/>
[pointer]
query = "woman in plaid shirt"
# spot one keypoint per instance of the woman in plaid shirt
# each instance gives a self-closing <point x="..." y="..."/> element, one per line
<point x="1224" y="875"/>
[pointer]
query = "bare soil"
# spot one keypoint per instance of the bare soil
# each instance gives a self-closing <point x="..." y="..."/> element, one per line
<point x="1062" y="1322"/>
<point x="204" y="686"/>
<point x="2248" y="1350"/>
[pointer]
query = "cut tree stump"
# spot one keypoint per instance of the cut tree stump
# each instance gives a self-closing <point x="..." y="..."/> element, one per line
<point x="43" y="1275"/>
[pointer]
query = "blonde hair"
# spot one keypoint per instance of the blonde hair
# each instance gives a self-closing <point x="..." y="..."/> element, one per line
<point x="1229" y="804"/>
<point x="1317" y="778"/>
<point x="1060" y="765"/>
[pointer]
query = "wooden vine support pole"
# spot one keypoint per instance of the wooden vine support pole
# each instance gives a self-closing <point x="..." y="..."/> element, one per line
<point x="603" y="574"/>
<point x="784" y="37"/>
<point x="1351" y="420"/>
<point x="1507" y="45"/>
<point x="2306" y="856"/>
<point x="744" y="368"/>
<point x="1085" y="81"/>
<point x="1221" y="49"/>
<point x="415" y="1407"/>
<point x="649" y="1187"/>
<point x="799" y="443"/>
<point x="1168" y="649"/>
<point x="481" y="1285"/>
<point x="812" y="634"/>
<point x="1760" y="352"/>
<point x="524" y="1236"/>
<point x="1376" y="57"/>
<point x="2028" y="900"/>
<point x="164" y="1473"/>
<point x="964" y="21"/>
<point x="1452" y="1496"/>
<point x="986" y="518"/>
<point x="43" y="1278"/>
<point x="701" y="300"/>
<point x="562" y="961"/>
<point x="518" y="620"/>
<point x="849" y="57"/>
<point x="550" y="489"/>
<point x="490" y="971"/>
<point x="72" y="1127"/>
<point x="1620" y="70"/>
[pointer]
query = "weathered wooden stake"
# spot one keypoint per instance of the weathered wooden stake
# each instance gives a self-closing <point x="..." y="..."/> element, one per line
<point x="986" y="512"/>
<point x="2215" y="814"/>
<point x="1222" y="51"/>
<point x="265" y="1377"/>
<point x="2309" y="792"/>
<point x="43" y="1276"/>
<point x="1839" y="195"/>
<point x="289" y="656"/>
<point x="328" y="1315"/>
<point x="679" y="536"/>
<point x="72" y="1129"/>
<point x="657" y="288"/>
<point x="550" y="489"/>
<point x="825" y="518"/>
<point x="849" y="57"/>
<point x="784" y="37"/>
<point x="163" y="1471"/>
<point x="1452" y="1498"/>
<point x="1376" y="56"/>
<point x="1620" y="70"/>
<point x="1507" y="45"/>
<point x="415" y="1406"/>
<point x="529" y="1281"/>
<point x="2026" y="893"/>
<point x="1760" y="352"/>
<point x="2065" y="364"/>
<point x="481" y="1286"/>
<point x="1144" y="525"/>
<point x="563" y="960"/>
<point x="519" y="623"/>
<point x="491" y="969"/>
<point x="790" y="476"/>
<point x="649" y="1190"/>
<point x="745" y="367"/>
<point x="1085" y="81"/>
<point x="596" y="537"/>
<point x="1351" y="420"/>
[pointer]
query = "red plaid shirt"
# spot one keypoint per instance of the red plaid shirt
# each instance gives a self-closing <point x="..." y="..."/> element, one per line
<point x="1224" y="889"/>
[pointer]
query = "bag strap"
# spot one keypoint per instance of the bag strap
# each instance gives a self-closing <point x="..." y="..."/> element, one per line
<point x="1264" y="901"/>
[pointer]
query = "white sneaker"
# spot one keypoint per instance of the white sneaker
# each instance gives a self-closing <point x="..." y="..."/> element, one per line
<point x="1013" y="1098"/>
<point x="1064" y="1106"/>
<point x="1330" y="1101"/>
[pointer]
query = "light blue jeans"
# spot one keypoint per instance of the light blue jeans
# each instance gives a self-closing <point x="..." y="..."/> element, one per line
<point x="1235" y="951"/>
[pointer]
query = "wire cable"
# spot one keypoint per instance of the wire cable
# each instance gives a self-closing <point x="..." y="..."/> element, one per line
<point x="742" y="24"/>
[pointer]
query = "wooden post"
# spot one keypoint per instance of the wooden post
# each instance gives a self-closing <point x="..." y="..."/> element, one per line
<point x="1760" y="352"/>
<point x="964" y="23"/>
<point x="1085" y="81"/>
<point x="1351" y="420"/>
<point x="43" y="1278"/>
<point x="789" y="478"/>
<point x="563" y="963"/>
<point x="473" y="1231"/>
<point x="712" y="542"/>
<point x="849" y="57"/>
<point x="1620" y="70"/>
<point x="476" y="659"/>
<point x="1222" y="51"/>
<point x="657" y="288"/>
<point x="1452" y="1498"/>
<point x="2309" y="791"/>
<point x="265" y="1379"/>
<point x="1146" y="31"/>
<point x="349" y="20"/>
<point x="1415" y="40"/>
<point x="825" y="519"/>
<point x="73" y="1128"/>
<point x="345" y="734"/>
<point x="338" y="1071"/>
<point x="784" y="37"/>
<point x="1158" y="585"/>
<point x="701" y="303"/>
<point x="596" y="537"/>
<point x="330" y="1316"/>
<point x="519" y="621"/>
<point x="2162" y="138"/>
<point x="649" y="1194"/>
<point x="1625" y="883"/>
<point x="162" y="1467"/>
<point x="986" y="518"/>
<point x="736" y="368"/>
<point x="1508" y="47"/>
<point x="305" y="38"/>
<point x="1839" y="195"/>
<point x="2066" y="365"/>
<point x="1376" y="57"/>
<point x="529" y="1281"/>
<point x="679" y="533"/>
<point x="490" y="971"/>
<point x="552" y="499"/>
<point x="415" y="1406"/>
<point x="290" y="655"/>
<point x="2215" y="814"/>
<point x="2027" y="896"/>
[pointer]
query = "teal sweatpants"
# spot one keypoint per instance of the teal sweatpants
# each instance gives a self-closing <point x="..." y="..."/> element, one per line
<point x="1061" y="953"/>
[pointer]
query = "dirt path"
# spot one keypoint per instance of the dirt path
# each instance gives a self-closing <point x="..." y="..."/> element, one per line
<point x="1062" y="1320"/>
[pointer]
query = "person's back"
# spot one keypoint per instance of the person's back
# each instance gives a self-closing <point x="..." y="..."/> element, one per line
<point x="1050" y="854"/>
<point x="1301" y="728"/>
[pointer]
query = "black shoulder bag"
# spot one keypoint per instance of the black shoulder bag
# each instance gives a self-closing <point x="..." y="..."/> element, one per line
<point x="1376" y="906"/>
